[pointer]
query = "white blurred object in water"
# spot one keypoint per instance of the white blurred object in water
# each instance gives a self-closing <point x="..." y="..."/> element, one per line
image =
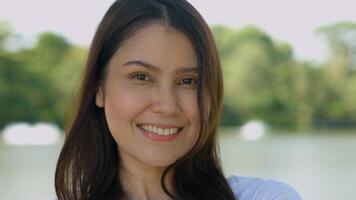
<point x="253" y="130"/>
<point x="27" y="134"/>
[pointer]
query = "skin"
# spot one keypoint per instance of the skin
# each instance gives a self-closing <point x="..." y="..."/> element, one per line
<point x="133" y="94"/>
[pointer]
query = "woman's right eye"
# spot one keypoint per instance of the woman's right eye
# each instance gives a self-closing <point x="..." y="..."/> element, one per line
<point x="141" y="76"/>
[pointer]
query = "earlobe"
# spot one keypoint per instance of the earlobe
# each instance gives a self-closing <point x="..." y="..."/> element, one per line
<point x="99" y="100"/>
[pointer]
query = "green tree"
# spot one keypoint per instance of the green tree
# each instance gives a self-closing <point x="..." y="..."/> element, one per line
<point x="37" y="83"/>
<point x="255" y="68"/>
<point x="338" y="73"/>
<point x="5" y="33"/>
<point x="22" y="93"/>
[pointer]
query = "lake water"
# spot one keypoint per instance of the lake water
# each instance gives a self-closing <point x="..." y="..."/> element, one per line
<point x="319" y="166"/>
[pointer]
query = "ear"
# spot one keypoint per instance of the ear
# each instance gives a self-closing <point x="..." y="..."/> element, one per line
<point x="99" y="98"/>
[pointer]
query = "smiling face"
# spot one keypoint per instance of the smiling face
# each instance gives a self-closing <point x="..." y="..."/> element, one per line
<point x="149" y="95"/>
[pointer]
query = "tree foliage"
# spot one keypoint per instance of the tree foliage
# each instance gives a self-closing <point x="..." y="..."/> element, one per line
<point x="37" y="83"/>
<point x="263" y="80"/>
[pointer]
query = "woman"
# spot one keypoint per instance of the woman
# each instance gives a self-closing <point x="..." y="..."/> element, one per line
<point x="149" y="106"/>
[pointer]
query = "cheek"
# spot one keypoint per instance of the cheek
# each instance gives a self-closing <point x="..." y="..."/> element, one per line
<point x="190" y="108"/>
<point x="191" y="112"/>
<point x="122" y="105"/>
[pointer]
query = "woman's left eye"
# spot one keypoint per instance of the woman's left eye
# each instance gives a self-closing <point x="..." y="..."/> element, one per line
<point x="141" y="76"/>
<point x="188" y="81"/>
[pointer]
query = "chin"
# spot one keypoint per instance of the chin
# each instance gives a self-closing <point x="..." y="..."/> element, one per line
<point x="159" y="162"/>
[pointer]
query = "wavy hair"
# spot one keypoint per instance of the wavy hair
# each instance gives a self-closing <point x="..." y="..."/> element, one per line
<point x="88" y="165"/>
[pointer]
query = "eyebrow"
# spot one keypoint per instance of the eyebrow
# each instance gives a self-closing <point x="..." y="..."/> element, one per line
<point x="157" y="69"/>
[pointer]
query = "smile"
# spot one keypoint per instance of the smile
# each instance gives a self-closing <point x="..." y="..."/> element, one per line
<point x="159" y="133"/>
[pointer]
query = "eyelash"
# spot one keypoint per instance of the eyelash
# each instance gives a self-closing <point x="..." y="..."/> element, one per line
<point x="134" y="76"/>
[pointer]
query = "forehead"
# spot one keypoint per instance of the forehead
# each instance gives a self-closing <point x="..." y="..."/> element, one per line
<point x="158" y="44"/>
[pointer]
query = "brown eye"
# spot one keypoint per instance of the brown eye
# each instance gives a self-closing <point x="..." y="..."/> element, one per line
<point x="141" y="76"/>
<point x="188" y="81"/>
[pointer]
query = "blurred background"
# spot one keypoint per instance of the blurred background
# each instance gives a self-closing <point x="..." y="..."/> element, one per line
<point x="290" y="90"/>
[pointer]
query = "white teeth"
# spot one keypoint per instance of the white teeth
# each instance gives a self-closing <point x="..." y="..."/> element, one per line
<point x="166" y="131"/>
<point x="159" y="131"/>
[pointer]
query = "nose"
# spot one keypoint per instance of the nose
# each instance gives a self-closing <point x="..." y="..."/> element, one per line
<point x="165" y="101"/>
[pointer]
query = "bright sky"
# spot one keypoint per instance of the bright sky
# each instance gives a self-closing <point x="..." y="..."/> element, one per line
<point x="292" y="21"/>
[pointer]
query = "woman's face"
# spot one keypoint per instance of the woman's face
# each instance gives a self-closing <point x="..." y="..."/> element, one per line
<point x="150" y="96"/>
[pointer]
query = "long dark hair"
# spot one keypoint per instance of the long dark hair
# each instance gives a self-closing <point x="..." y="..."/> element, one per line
<point x="88" y="164"/>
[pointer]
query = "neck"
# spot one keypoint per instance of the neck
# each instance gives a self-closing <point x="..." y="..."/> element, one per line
<point x="143" y="182"/>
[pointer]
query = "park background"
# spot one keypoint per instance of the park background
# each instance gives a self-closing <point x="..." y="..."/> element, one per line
<point x="290" y="66"/>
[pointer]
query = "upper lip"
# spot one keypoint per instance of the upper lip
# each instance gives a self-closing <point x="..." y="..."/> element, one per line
<point x="159" y="125"/>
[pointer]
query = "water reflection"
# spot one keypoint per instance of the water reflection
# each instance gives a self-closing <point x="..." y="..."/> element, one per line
<point x="319" y="166"/>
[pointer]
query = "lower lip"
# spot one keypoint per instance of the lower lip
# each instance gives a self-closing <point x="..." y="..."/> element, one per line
<point x="155" y="137"/>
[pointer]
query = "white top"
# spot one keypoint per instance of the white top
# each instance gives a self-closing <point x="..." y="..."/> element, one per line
<point x="251" y="188"/>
